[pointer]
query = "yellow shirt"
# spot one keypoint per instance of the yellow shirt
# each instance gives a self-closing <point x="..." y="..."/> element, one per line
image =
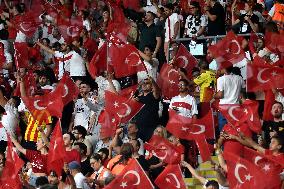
<point x="31" y="133"/>
<point x="205" y="80"/>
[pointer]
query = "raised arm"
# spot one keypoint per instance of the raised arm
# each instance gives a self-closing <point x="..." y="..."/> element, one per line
<point x="155" y="88"/>
<point x="47" y="49"/>
<point x="194" y="172"/>
<point x="18" y="146"/>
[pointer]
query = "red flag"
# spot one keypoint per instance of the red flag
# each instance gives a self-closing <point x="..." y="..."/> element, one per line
<point x="243" y="174"/>
<point x="129" y="91"/>
<point x="275" y="43"/>
<point x="27" y="23"/>
<point x="252" y="41"/>
<point x="132" y="177"/>
<point x="108" y="123"/>
<point x="125" y="59"/>
<point x="119" y="24"/>
<point x="52" y="106"/>
<point x="10" y="178"/>
<point x="98" y="63"/>
<point x="70" y="28"/>
<point x="188" y="128"/>
<point x="21" y="55"/>
<point x="268" y="103"/>
<point x="237" y="114"/>
<point x="261" y="78"/>
<point x="120" y="107"/>
<point x="56" y="152"/>
<point x="203" y="148"/>
<point x="272" y="169"/>
<point x="171" y="178"/>
<point x="66" y="88"/>
<point x="168" y="81"/>
<point x="183" y="59"/>
<point x="163" y="149"/>
<point x="227" y="50"/>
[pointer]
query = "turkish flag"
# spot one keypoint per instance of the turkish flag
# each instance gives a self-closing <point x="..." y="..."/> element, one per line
<point x="122" y="108"/>
<point x="27" y="23"/>
<point x="275" y="43"/>
<point x="163" y="149"/>
<point x="132" y="4"/>
<point x="168" y="80"/>
<point x="13" y="164"/>
<point x="203" y="148"/>
<point x="190" y="129"/>
<point x="171" y="178"/>
<point x="21" y="55"/>
<point x="227" y="50"/>
<point x="98" y="63"/>
<point x="258" y="61"/>
<point x="237" y="114"/>
<point x="132" y="177"/>
<point x="183" y="59"/>
<point x="243" y="174"/>
<point x="129" y="91"/>
<point x="56" y="152"/>
<point x="52" y="8"/>
<point x="108" y="123"/>
<point x="66" y="88"/>
<point x="70" y="27"/>
<point x="118" y="24"/>
<point x="47" y="105"/>
<point x="125" y="59"/>
<point x="261" y="78"/>
<point x="272" y="169"/>
<point x="268" y="103"/>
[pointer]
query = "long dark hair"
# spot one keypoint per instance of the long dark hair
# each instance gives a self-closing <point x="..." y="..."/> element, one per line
<point x="126" y="152"/>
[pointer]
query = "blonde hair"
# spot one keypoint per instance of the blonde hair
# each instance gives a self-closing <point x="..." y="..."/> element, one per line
<point x="164" y="131"/>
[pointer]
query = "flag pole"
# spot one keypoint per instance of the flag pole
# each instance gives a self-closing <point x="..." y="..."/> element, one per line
<point x="107" y="54"/>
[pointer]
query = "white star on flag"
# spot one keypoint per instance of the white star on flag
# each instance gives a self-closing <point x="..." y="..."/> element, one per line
<point x="123" y="184"/>
<point x="274" y="74"/>
<point x="266" y="167"/>
<point x="248" y="177"/>
<point x="115" y="104"/>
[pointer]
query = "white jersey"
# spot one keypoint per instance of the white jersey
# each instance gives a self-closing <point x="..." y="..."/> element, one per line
<point x="231" y="86"/>
<point x="82" y="113"/>
<point x="186" y="106"/>
<point x="169" y="26"/>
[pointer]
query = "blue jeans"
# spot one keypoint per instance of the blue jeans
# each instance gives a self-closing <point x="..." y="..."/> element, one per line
<point x="221" y="121"/>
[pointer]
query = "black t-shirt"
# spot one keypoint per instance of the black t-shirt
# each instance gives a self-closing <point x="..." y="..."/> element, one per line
<point x="148" y="36"/>
<point x="270" y="126"/>
<point x="147" y="118"/>
<point x="244" y="25"/>
<point x="143" y="162"/>
<point x="86" y="167"/>
<point x="217" y="27"/>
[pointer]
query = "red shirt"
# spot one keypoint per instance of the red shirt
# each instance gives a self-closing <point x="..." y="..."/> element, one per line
<point x="38" y="161"/>
<point x="72" y="155"/>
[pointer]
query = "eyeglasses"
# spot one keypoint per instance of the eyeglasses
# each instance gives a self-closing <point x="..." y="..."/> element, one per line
<point x="182" y="84"/>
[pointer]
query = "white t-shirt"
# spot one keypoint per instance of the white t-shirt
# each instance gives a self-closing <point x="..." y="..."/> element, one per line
<point x="141" y="149"/>
<point x="186" y="105"/>
<point x="174" y="18"/>
<point x="193" y="25"/>
<point x="77" y="65"/>
<point x="74" y="65"/>
<point x="231" y="86"/>
<point x="82" y="113"/>
<point x="9" y="121"/>
<point x="151" y="68"/>
<point x="80" y="181"/>
<point x="103" y="85"/>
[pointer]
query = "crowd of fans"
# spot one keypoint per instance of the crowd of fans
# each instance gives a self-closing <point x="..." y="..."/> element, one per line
<point x="93" y="161"/>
